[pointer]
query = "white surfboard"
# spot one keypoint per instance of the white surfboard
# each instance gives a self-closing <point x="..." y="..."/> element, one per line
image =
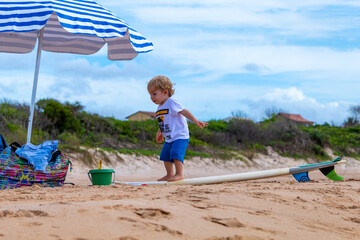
<point x="300" y="173"/>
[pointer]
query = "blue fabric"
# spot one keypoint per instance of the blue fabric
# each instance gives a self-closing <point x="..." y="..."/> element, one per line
<point x="174" y="150"/>
<point x="3" y="144"/>
<point x="38" y="155"/>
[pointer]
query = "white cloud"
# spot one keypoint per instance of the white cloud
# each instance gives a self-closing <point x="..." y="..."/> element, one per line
<point x="293" y="100"/>
<point x="286" y="95"/>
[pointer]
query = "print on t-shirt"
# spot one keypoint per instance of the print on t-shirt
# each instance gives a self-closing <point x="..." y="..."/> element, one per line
<point x="164" y="128"/>
<point x="172" y="124"/>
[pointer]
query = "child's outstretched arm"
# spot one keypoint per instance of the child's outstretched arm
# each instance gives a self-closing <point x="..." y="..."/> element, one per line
<point x="186" y="113"/>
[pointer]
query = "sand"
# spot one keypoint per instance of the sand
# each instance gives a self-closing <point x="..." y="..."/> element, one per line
<point x="274" y="208"/>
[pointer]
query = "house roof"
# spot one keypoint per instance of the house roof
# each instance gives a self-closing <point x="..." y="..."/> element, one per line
<point x="295" y="117"/>
<point x="151" y="114"/>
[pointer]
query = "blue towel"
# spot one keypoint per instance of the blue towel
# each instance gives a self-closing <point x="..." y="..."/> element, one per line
<point x="38" y="155"/>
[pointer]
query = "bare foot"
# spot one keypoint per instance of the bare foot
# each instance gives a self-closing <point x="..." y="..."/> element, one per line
<point x="175" y="178"/>
<point x="165" y="178"/>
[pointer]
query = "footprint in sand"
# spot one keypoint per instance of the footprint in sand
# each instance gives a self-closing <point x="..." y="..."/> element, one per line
<point x="151" y="212"/>
<point x="126" y="238"/>
<point x="117" y="207"/>
<point x="204" y="205"/>
<point x="236" y="237"/>
<point x="266" y="230"/>
<point x="39" y="213"/>
<point x="193" y="198"/>
<point x="154" y="226"/>
<point x="6" y="213"/>
<point x="163" y="228"/>
<point x="354" y="219"/>
<point x="23" y="213"/>
<point x="126" y="219"/>
<point x="227" y="222"/>
<point x="260" y="213"/>
<point x="33" y="224"/>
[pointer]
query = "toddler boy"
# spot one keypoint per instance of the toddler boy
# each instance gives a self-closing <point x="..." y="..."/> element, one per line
<point x="171" y="116"/>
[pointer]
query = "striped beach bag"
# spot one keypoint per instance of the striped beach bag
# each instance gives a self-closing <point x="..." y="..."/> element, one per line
<point x="17" y="172"/>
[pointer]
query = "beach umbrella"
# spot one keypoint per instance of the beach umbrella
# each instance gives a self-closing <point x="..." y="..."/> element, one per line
<point x="65" y="26"/>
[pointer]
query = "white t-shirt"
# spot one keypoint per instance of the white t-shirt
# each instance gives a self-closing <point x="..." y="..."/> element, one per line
<point x="172" y="124"/>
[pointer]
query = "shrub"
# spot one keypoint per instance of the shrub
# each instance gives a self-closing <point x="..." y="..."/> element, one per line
<point x="196" y="142"/>
<point x="70" y="139"/>
<point x="61" y="116"/>
<point x="319" y="137"/>
<point x="245" y="131"/>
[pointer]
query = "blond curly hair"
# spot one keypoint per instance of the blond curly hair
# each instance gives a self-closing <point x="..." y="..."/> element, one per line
<point x="162" y="83"/>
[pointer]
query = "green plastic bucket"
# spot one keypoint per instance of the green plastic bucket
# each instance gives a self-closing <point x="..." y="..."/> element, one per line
<point x="101" y="176"/>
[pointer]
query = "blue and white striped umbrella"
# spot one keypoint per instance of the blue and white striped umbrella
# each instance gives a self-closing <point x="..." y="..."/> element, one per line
<point x="69" y="26"/>
<point x="65" y="26"/>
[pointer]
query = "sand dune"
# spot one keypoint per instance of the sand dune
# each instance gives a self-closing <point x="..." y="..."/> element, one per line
<point x="276" y="208"/>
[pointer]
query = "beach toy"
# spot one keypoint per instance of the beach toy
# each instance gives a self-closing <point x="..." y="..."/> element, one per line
<point x="100" y="164"/>
<point x="101" y="176"/>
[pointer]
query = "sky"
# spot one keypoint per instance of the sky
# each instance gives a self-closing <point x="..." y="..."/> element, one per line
<point x="225" y="57"/>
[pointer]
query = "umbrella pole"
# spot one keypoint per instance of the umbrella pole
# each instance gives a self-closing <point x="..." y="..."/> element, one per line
<point x="36" y="75"/>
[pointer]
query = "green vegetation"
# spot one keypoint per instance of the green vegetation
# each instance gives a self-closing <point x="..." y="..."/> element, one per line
<point x="74" y="127"/>
<point x="343" y="141"/>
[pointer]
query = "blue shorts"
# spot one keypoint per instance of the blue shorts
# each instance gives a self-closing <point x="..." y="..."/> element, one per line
<point x="174" y="150"/>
